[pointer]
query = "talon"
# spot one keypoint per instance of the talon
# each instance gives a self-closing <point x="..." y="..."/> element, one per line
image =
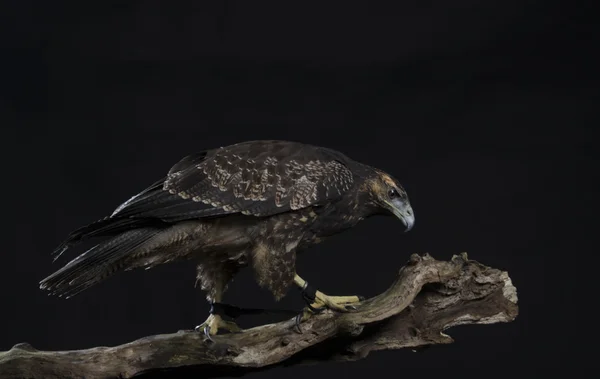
<point x="298" y="319"/>
<point x="207" y="333"/>
<point x="214" y="324"/>
<point x="317" y="301"/>
<point x="337" y="303"/>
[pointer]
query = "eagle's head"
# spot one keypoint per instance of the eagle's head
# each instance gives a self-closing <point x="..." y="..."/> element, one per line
<point x="389" y="197"/>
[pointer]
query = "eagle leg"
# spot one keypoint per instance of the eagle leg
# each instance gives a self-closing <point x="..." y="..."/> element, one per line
<point x="214" y="323"/>
<point x="213" y="277"/>
<point x="317" y="301"/>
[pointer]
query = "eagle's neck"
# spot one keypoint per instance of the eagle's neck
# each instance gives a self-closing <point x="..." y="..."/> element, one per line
<point x="339" y="216"/>
<point x="353" y="207"/>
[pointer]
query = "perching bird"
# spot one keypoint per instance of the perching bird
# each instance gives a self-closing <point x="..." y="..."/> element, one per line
<point x="256" y="204"/>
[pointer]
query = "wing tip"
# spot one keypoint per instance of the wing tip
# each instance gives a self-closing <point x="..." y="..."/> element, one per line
<point x="59" y="250"/>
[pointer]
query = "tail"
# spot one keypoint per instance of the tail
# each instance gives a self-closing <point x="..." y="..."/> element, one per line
<point x="98" y="263"/>
<point x="108" y="226"/>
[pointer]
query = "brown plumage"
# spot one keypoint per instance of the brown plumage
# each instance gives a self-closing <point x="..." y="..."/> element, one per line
<point x="252" y="204"/>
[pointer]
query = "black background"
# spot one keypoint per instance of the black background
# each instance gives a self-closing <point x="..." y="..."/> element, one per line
<point x="483" y="110"/>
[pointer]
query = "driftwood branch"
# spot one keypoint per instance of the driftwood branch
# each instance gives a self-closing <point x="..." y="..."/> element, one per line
<point x="428" y="297"/>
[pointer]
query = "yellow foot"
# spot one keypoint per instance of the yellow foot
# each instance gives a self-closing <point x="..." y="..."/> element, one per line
<point x="214" y="323"/>
<point x="322" y="302"/>
<point x="336" y="303"/>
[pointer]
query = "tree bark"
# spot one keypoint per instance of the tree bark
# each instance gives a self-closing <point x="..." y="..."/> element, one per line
<point x="428" y="297"/>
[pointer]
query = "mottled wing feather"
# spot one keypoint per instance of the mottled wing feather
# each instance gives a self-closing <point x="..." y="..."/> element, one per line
<point x="257" y="178"/>
<point x="262" y="178"/>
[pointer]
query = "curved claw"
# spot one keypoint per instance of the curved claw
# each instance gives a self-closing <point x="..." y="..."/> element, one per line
<point x="207" y="333"/>
<point x="352" y="307"/>
<point x="298" y="319"/>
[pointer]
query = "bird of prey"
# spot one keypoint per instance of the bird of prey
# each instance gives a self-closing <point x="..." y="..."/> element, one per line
<point x="256" y="204"/>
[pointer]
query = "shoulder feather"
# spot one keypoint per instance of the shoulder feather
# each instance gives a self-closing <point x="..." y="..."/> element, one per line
<point x="262" y="178"/>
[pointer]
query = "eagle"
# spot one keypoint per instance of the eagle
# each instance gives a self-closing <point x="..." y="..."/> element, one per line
<point x="254" y="204"/>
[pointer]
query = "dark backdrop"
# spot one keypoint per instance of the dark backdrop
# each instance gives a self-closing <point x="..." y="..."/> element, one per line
<point x="481" y="109"/>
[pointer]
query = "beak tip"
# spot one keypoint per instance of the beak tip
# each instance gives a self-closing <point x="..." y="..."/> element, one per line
<point x="408" y="223"/>
<point x="406" y="216"/>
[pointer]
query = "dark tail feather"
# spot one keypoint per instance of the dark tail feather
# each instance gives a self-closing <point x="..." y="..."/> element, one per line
<point x="96" y="264"/>
<point x="105" y="227"/>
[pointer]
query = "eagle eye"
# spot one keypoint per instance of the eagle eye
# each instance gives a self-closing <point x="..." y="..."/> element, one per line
<point x="392" y="193"/>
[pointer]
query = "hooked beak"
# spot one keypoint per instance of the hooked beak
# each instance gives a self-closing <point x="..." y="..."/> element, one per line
<point x="404" y="212"/>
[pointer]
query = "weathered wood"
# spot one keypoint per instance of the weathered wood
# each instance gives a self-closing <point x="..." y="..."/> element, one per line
<point x="428" y="297"/>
